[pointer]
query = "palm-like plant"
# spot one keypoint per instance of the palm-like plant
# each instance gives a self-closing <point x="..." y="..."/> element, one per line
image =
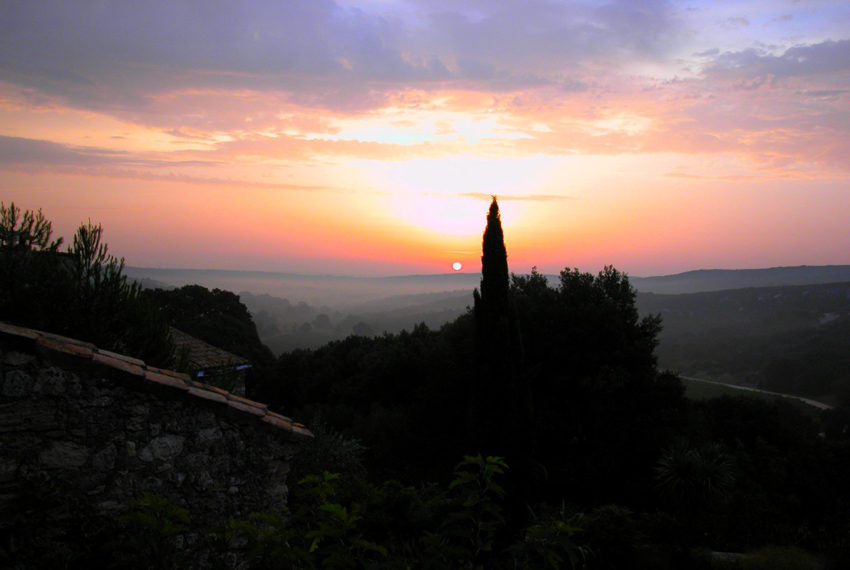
<point x="694" y="478"/>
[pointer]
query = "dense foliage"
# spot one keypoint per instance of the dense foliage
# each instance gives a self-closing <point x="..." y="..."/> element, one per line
<point x="82" y="293"/>
<point x="608" y="435"/>
<point x="793" y="339"/>
<point x="402" y="394"/>
<point x="216" y="317"/>
<point x="599" y="462"/>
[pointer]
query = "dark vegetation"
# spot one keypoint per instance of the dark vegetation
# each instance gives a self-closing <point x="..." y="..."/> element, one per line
<point x="575" y="450"/>
<point x="81" y="293"/>
<point x="604" y="451"/>
<point x="786" y="339"/>
<point x="216" y="317"/>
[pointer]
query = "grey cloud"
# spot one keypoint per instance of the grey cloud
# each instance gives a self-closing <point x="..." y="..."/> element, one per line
<point x="17" y="151"/>
<point x="547" y="37"/>
<point x="116" y="55"/>
<point x="826" y="57"/>
<point x="737" y="22"/>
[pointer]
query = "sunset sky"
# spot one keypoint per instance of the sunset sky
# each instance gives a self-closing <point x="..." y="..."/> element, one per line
<point x="366" y="137"/>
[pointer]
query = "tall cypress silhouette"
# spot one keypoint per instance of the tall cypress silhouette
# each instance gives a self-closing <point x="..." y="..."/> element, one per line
<point x="501" y="412"/>
<point x="497" y="347"/>
<point x="495" y="283"/>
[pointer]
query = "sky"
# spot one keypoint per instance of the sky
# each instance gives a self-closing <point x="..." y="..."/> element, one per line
<point x="367" y="137"/>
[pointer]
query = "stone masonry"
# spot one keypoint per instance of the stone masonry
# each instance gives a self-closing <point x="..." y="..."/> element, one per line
<point x="110" y="428"/>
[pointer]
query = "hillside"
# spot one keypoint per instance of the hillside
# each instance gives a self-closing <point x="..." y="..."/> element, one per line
<point x="789" y="339"/>
<point x="720" y="279"/>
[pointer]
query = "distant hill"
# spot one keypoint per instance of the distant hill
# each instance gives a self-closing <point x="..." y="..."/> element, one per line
<point x="782" y="328"/>
<point x="347" y="293"/>
<point x="719" y="279"/>
<point x="792" y="339"/>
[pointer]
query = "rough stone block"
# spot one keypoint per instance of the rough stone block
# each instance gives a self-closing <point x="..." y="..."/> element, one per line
<point x="64" y="455"/>
<point x="104" y="460"/>
<point x="15" y="358"/>
<point x="162" y="448"/>
<point x="209" y="435"/>
<point x="17" y="383"/>
<point x="28" y="415"/>
<point x="54" y="381"/>
<point x="8" y="468"/>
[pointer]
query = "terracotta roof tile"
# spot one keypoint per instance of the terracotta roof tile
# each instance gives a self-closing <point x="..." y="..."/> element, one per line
<point x="207" y="394"/>
<point x="172" y="373"/>
<point x="18" y="331"/>
<point x="67" y="348"/>
<point x="246" y="401"/>
<point x="278" y="422"/>
<point x="159" y="376"/>
<point x="121" y="357"/>
<point x="166" y="380"/>
<point x="108" y="359"/>
<point x="253" y="410"/>
<point x="203" y="355"/>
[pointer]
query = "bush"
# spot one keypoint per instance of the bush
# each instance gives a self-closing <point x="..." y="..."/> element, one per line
<point x="82" y="293"/>
<point x="781" y="558"/>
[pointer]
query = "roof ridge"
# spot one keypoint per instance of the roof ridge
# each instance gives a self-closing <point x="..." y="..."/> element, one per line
<point x="158" y="376"/>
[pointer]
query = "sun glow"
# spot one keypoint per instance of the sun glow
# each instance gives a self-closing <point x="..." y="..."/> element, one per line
<point x="443" y="215"/>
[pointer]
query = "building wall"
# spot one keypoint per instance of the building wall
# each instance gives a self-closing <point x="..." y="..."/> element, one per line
<point x="109" y="428"/>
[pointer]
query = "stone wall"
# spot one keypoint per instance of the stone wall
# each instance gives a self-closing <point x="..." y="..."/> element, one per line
<point x="109" y="428"/>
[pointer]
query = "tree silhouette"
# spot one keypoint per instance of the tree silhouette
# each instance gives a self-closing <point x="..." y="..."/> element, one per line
<point x="500" y="411"/>
<point x="494" y="354"/>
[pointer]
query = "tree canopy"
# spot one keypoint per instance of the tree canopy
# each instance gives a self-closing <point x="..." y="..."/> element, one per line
<point x="81" y="293"/>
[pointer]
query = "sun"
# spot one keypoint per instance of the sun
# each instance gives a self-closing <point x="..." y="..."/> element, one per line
<point x="457" y="266"/>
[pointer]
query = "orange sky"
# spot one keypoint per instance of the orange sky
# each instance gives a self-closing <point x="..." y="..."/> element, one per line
<point x="366" y="137"/>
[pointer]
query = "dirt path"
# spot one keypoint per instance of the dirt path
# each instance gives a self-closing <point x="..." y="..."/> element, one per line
<point x="814" y="403"/>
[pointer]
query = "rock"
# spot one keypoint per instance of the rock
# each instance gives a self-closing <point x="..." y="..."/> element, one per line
<point x="162" y="448"/>
<point x="28" y="415"/>
<point x="15" y="358"/>
<point x="104" y="460"/>
<point x="17" y="384"/>
<point x="209" y="435"/>
<point x="64" y="455"/>
<point x="55" y="381"/>
<point x="8" y="469"/>
<point x="151" y="483"/>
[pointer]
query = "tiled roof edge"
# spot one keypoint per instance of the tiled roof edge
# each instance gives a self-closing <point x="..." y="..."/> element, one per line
<point x="249" y="409"/>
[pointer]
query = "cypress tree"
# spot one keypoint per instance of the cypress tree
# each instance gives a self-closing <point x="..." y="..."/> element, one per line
<point x="495" y="283"/>
<point x="501" y="411"/>
<point x="495" y="393"/>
